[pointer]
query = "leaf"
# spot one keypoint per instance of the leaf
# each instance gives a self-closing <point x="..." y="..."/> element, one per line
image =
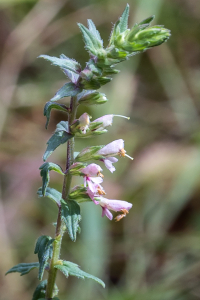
<point x="91" y="42"/>
<point x="44" y="173"/>
<point x="64" y="62"/>
<point x="67" y="90"/>
<point x="69" y="268"/>
<point x="147" y="21"/>
<point x="40" y="290"/>
<point x="94" y="31"/>
<point x="123" y="21"/>
<point x="23" y="268"/>
<point x="44" y="250"/>
<point x="51" y="194"/>
<point x="60" y="136"/>
<point x="49" y="106"/>
<point x="71" y="216"/>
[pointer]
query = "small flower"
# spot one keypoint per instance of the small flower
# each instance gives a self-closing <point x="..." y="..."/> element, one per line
<point x="107" y="120"/>
<point x="92" y="180"/>
<point x="114" y="148"/>
<point x="115" y="205"/>
<point x="84" y="122"/>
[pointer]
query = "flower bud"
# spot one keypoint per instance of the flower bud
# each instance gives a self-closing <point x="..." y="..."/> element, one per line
<point x="79" y="194"/>
<point x="91" y="97"/>
<point x="89" y="153"/>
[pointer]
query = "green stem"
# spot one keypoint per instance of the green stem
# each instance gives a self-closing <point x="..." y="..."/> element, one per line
<point x="66" y="190"/>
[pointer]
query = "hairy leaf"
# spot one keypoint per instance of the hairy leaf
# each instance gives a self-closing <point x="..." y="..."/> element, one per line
<point x="123" y="21"/>
<point x="49" y="106"/>
<point x="44" y="250"/>
<point x="71" y="216"/>
<point x="69" y="268"/>
<point x="60" y="136"/>
<point x="91" y="42"/>
<point x="64" y="62"/>
<point x="51" y="194"/>
<point x="40" y="290"/>
<point x="67" y="90"/>
<point x="147" y="21"/>
<point x="44" y="173"/>
<point x="23" y="268"/>
<point x="94" y="31"/>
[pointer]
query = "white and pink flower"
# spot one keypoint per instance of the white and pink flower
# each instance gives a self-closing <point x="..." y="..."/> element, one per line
<point x="115" y="205"/>
<point x="92" y="180"/>
<point x="107" y="120"/>
<point x="112" y="149"/>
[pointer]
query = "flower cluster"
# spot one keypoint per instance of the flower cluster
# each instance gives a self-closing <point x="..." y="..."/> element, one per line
<point x="93" y="176"/>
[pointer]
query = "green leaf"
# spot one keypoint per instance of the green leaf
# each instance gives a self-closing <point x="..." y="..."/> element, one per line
<point x="49" y="106"/>
<point x="71" y="216"/>
<point x="123" y="21"/>
<point x="51" y="194"/>
<point x="147" y="21"/>
<point x="94" y="31"/>
<point x="23" y="268"/>
<point x="67" y="90"/>
<point x="44" y="173"/>
<point x="44" y="250"/>
<point x="64" y="62"/>
<point x="40" y="290"/>
<point x="69" y="268"/>
<point x="60" y="136"/>
<point x="91" y="42"/>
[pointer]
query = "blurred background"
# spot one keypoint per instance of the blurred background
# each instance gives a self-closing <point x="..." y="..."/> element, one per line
<point x="154" y="253"/>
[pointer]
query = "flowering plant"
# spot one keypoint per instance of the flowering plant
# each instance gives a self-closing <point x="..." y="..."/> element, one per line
<point x="82" y="88"/>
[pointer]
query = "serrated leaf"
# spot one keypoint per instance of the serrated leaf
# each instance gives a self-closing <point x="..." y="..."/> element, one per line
<point x="44" y="173"/>
<point x="40" y="290"/>
<point x="91" y="42"/>
<point x="60" y="136"/>
<point x="49" y="106"/>
<point x="51" y="194"/>
<point x="94" y="31"/>
<point x="23" y="268"/>
<point x="123" y="21"/>
<point x="71" y="216"/>
<point x="44" y="250"/>
<point x="64" y="62"/>
<point x="69" y="268"/>
<point x="67" y="90"/>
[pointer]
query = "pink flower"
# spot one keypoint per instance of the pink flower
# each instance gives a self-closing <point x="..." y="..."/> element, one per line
<point x="92" y="180"/>
<point x="114" y="148"/>
<point x="107" y="120"/>
<point x="115" y="205"/>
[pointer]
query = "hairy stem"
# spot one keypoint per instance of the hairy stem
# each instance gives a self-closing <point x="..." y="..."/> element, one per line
<point x="65" y="192"/>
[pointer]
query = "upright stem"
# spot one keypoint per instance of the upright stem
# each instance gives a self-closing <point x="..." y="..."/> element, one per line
<point x="65" y="192"/>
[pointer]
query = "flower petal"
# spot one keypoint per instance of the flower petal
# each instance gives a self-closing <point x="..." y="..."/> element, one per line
<point x="108" y="163"/>
<point x="91" y="170"/>
<point x="112" y="148"/>
<point x="107" y="213"/>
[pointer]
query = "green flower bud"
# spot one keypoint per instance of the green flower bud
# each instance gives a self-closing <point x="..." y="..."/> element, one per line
<point x="91" y="97"/>
<point x="75" y="169"/>
<point x="79" y="194"/>
<point x="88" y="154"/>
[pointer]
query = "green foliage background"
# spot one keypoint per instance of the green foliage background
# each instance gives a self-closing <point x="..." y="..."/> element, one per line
<point x="154" y="253"/>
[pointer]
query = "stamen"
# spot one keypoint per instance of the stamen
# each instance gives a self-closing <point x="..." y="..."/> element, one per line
<point x="100" y="191"/>
<point x="100" y="174"/>
<point x="129" y="156"/>
<point x="128" y="118"/>
<point x="119" y="217"/>
<point x="122" y="152"/>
